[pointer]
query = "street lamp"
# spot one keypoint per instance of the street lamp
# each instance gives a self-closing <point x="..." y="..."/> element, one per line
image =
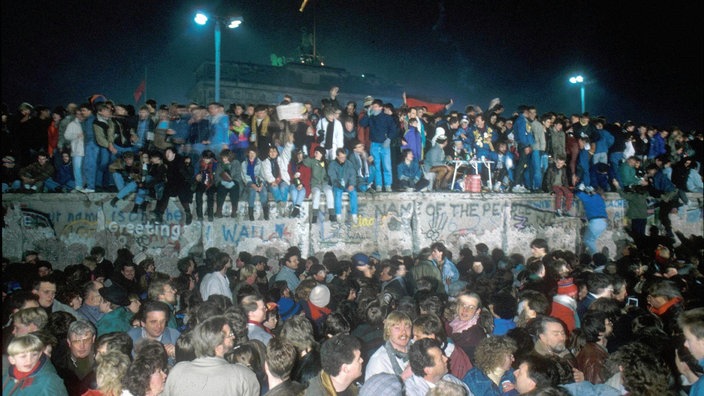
<point x="579" y="80"/>
<point x="232" y="23"/>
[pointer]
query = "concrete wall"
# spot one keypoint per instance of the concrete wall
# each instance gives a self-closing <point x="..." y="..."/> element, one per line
<point x="63" y="227"/>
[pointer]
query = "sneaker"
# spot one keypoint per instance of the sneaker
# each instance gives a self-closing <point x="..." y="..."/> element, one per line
<point x="497" y="186"/>
<point x="377" y="189"/>
<point x="519" y="189"/>
<point x="354" y="219"/>
<point x="558" y="212"/>
<point x="409" y="189"/>
<point x="87" y="190"/>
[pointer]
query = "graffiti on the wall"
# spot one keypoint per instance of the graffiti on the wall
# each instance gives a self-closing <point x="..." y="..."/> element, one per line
<point x="34" y="219"/>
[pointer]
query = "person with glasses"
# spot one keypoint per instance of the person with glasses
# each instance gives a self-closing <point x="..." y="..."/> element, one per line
<point x="465" y="329"/>
<point x="210" y="373"/>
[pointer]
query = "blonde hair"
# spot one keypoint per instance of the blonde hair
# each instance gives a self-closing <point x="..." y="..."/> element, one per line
<point x="393" y="319"/>
<point x="247" y="271"/>
<point x="25" y="343"/>
<point x="35" y="315"/>
<point x="112" y="367"/>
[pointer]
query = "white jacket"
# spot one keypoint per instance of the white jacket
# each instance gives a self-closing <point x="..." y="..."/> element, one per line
<point x="74" y="134"/>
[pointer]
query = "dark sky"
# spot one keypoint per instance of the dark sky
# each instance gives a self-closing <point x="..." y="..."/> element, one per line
<point x="643" y="60"/>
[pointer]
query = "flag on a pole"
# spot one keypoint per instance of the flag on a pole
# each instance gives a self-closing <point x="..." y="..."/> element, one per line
<point x="140" y="91"/>
<point x="433" y="106"/>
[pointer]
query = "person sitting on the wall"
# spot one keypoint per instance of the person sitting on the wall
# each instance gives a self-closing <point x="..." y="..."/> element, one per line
<point x="410" y="176"/>
<point x="35" y="174"/>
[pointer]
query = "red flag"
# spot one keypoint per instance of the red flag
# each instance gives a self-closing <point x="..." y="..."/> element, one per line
<point x="433" y="106"/>
<point x="140" y="91"/>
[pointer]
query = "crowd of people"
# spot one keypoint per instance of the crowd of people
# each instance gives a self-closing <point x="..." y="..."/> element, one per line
<point x="246" y="151"/>
<point x="441" y="322"/>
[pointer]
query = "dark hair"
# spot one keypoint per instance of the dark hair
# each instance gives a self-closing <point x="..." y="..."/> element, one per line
<point x="431" y="324"/>
<point x="336" y="324"/>
<point x="505" y="305"/>
<point x="542" y="371"/>
<point x="220" y="261"/>
<point x="153" y="306"/>
<point x="337" y="351"/>
<point x="418" y="356"/>
<point x="593" y="324"/>
<point x="280" y="357"/>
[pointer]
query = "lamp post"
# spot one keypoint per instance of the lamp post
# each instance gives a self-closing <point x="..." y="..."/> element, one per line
<point x="231" y="23"/>
<point x="579" y="79"/>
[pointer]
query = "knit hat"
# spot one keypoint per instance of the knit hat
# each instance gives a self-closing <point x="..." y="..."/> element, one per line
<point x="368" y="101"/>
<point x="360" y="259"/>
<point x="382" y="384"/>
<point x="567" y="287"/>
<point x="320" y="296"/>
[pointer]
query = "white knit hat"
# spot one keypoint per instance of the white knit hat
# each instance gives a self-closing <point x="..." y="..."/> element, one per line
<point x="320" y="296"/>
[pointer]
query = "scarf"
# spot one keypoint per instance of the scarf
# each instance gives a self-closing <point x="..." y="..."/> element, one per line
<point x="661" y="311"/>
<point x="364" y="168"/>
<point x="393" y="355"/>
<point x="329" y="131"/>
<point x="458" y="325"/>
<point x="275" y="171"/>
<point x="316" y="312"/>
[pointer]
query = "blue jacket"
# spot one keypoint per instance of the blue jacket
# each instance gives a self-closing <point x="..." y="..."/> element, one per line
<point x="410" y="171"/>
<point x="381" y="127"/>
<point x="480" y="384"/>
<point x="662" y="183"/>
<point x="64" y="174"/>
<point x="522" y="132"/>
<point x="657" y="146"/>
<point x="606" y="140"/>
<point x="342" y="175"/>
<point x="594" y="205"/>
<point x="413" y="142"/>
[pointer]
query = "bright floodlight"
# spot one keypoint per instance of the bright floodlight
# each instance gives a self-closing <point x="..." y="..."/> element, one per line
<point x="577" y="79"/>
<point x="201" y="18"/>
<point x="234" y="23"/>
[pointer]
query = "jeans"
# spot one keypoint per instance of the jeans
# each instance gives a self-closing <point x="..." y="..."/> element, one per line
<point x="382" y="156"/>
<point x="90" y="164"/>
<point x="126" y="189"/>
<point x="538" y="166"/>
<point x="337" y="191"/>
<point x="280" y="191"/>
<point x="595" y="228"/>
<point x="315" y="196"/>
<point x="101" y="173"/>
<point x="16" y="185"/>
<point x="78" y="171"/>
<point x="523" y="169"/>
<point x="263" y="196"/>
<point x="615" y="162"/>
<point x="50" y="185"/>
<point x="297" y="196"/>
<point x="599" y="157"/>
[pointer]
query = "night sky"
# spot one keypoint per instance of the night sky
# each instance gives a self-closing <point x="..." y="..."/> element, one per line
<point x="642" y="60"/>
